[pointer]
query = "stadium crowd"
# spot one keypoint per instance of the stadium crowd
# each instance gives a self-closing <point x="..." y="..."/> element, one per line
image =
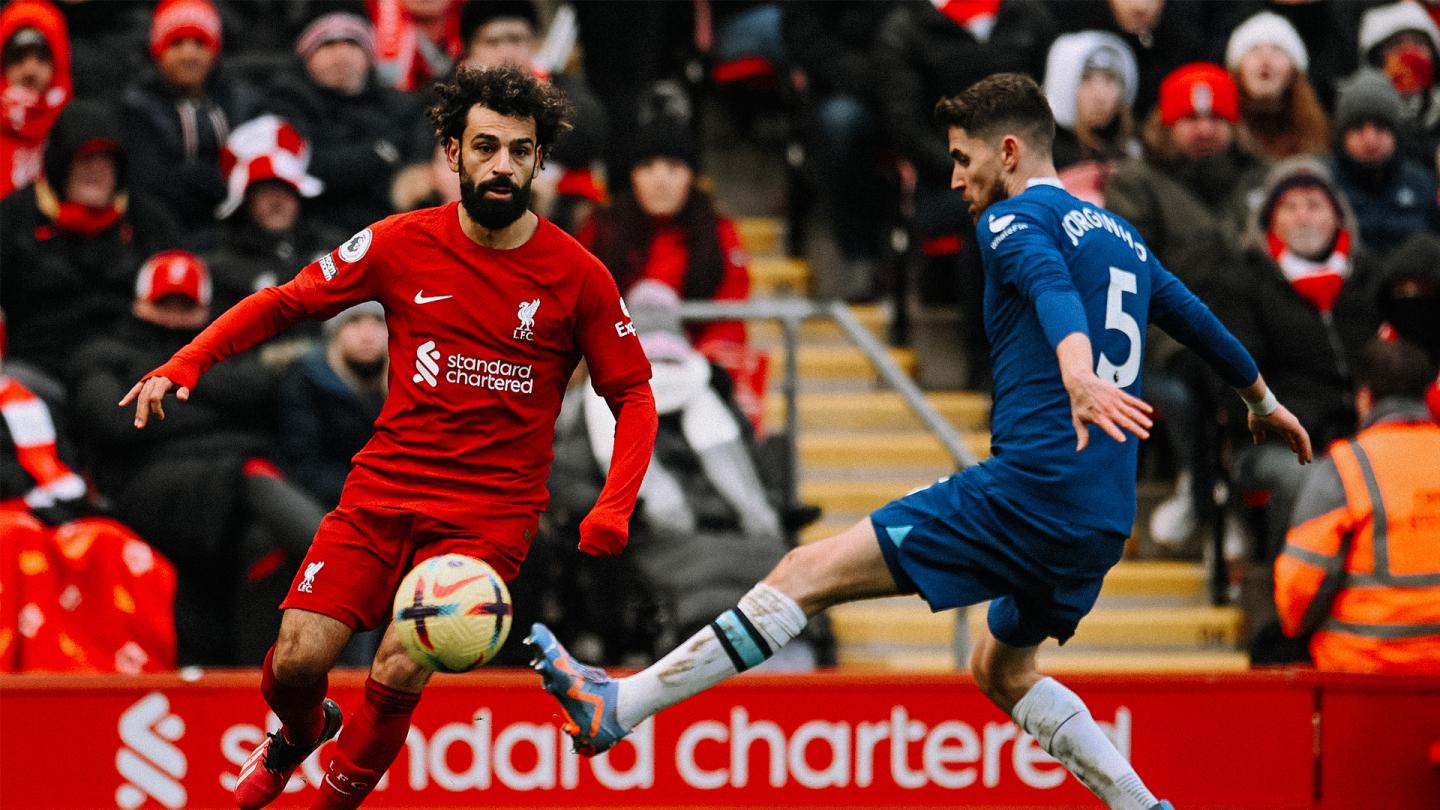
<point x="159" y="162"/>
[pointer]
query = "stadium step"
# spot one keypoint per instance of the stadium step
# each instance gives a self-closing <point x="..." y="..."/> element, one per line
<point x="906" y="620"/>
<point x="836" y="363"/>
<point x="862" y="495"/>
<point x="768" y="334"/>
<point x="877" y="410"/>
<point x="761" y="236"/>
<point x="778" y="275"/>
<point x="888" y="450"/>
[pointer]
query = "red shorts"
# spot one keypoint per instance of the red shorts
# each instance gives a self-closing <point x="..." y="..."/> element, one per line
<point x="361" y="553"/>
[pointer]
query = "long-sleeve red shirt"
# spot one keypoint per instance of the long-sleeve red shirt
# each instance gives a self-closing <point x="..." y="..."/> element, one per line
<point x="482" y="345"/>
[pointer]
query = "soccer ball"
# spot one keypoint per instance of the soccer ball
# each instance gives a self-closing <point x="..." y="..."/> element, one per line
<point x="452" y="613"/>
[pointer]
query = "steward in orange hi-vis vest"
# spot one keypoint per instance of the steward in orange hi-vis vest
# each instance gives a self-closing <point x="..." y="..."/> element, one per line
<point x="1361" y="563"/>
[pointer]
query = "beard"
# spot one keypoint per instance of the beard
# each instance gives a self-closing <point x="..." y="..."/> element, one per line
<point x="994" y="194"/>
<point x="367" y="371"/>
<point x="488" y="213"/>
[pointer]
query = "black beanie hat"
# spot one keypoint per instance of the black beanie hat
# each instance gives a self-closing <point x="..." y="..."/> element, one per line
<point x="664" y="138"/>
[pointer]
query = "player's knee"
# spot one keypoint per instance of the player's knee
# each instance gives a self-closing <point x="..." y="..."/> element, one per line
<point x="1003" y="682"/>
<point x="296" y="663"/>
<point x="795" y="576"/>
<point x="982" y="671"/>
<point x="396" y="669"/>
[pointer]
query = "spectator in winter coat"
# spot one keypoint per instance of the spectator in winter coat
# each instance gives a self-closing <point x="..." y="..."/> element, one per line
<point x="1393" y="195"/>
<point x="329" y="401"/>
<point x="1189" y="197"/>
<point x="1408" y="293"/>
<point x="666" y="229"/>
<point x="416" y="41"/>
<point x="1327" y="27"/>
<point x="829" y="47"/>
<point x="178" y="115"/>
<point x="198" y="487"/>
<point x="266" y="234"/>
<point x="1402" y="40"/>
<point x="71" y="242"/>
<point x="925" y="51"/>
<point x="46" y="516"/>
<point x="1090" y="82"/>
<point x="1189" y="194"/>
<point x="361" y="132"/>
<point x="1162" y="36"/>
<point x="507" y="33"/>
<point x="1278" y="107"/>
<point x="1302" y="305"/>
<point x="705" y="523"/>
<point x="35" y="53"/>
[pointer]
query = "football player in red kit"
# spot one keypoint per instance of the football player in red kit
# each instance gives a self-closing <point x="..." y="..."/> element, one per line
<point x="489" y="309"/>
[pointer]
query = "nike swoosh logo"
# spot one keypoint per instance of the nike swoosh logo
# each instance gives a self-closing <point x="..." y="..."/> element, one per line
<point x="422" y="298"/>
<point x="998" y="224"/>
<point x="442" y="591"/>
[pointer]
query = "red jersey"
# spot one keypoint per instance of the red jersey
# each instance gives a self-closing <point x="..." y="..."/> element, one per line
<point x="483" y="343"/>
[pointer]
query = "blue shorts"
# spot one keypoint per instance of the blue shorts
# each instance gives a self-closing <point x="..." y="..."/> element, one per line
<point x="961" y="541"/>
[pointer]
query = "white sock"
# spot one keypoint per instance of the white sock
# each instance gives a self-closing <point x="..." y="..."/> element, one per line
<point x="742" y="637"/>
<point x="1059" y="720"/>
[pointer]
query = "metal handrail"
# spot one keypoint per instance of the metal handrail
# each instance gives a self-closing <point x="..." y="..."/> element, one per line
<point x="790" y="312"/>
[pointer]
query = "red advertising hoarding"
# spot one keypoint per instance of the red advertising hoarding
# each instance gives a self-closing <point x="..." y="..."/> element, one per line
<point x="824" y="740"/>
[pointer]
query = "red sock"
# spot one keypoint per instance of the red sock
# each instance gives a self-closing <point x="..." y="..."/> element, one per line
<point x="298" y="707"/>
<point x="370" y="741"/>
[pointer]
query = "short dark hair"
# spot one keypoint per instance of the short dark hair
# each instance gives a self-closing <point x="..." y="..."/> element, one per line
<point x="506" y="90"/>
<point x="999" y="104"/>
<point x="1394" y="368"/>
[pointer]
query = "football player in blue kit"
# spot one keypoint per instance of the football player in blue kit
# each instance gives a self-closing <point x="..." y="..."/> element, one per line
<point x="1069" y="290"/>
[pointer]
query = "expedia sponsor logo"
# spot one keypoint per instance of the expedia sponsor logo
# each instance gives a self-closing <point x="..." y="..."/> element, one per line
<point x="627" y="326"/>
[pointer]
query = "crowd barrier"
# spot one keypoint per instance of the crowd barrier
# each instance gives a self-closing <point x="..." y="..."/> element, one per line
<point x="1283" y="739"/>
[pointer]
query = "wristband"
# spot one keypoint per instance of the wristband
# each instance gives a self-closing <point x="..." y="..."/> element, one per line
<point x="1264" y="407"/>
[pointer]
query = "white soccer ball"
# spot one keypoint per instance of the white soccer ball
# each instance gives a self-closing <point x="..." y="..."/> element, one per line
<point x="453" y="613"/>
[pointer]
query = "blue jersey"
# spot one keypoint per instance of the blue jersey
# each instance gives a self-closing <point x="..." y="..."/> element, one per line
<point x="1055" y="264"/>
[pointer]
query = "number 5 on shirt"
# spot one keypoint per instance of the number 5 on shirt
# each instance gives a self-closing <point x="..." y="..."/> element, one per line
<point x="1121" y="282"/>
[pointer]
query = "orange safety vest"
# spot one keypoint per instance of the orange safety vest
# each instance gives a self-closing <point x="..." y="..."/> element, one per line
<point x="1366" y="576"/>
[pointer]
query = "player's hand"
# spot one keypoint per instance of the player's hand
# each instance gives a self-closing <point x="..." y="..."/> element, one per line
<point x="149" y="397"/>
<point x="1288" y="427"/>
<point x="1094" y="401"/>
<point x="603" y="534"/>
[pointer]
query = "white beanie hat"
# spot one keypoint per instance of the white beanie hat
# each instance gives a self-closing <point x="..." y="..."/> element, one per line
<point x="1382" y="22"/>
<point x="1071" y="55"/>
<point x="1267" y="28"/>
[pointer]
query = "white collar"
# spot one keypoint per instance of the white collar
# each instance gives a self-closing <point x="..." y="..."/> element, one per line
<point x="1044" y="181"/>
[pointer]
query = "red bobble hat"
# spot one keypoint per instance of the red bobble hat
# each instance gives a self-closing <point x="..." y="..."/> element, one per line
<point x="176" y="19"/>
<point x="174" y="272"/>
<point x="1199" y="88"/>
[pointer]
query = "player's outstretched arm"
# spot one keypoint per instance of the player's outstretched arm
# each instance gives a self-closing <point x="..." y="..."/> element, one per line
<point x="1184" y="317"/>
<point x="1094" y="401"/>
<point x="606" y="530"/>
<point x="1266" y="413"/>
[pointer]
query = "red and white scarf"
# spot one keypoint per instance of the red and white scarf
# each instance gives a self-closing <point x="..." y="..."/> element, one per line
<point x="1318" y="282"/>
<point x="30" y="426"/>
